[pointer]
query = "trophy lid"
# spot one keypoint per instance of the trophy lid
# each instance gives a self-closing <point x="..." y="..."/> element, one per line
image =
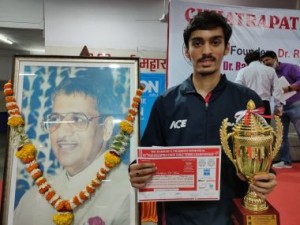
<point x="252" y="124"/>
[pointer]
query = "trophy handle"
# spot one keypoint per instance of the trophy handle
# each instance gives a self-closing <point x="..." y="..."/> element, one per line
<point x="224" y="140"/>
<point x="278" y="136"/>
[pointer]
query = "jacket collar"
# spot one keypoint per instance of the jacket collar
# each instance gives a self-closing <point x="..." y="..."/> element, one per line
<point x="187" y="87"/>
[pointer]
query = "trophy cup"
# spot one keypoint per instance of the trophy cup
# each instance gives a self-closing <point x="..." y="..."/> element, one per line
<point x="254" y="145"/>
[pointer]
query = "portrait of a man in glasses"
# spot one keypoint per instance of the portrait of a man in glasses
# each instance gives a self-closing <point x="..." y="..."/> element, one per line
<point x="79" y="130"/>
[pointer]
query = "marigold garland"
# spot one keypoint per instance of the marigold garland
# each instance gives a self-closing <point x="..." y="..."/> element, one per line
<point x="27" y="152"/>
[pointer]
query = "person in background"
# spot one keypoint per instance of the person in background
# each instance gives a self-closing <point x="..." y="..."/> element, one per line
<point x="291" y="110"/>
<point x="79" y="132"/>
<point x="264" y="81"/>
<point x="203" y="100"/>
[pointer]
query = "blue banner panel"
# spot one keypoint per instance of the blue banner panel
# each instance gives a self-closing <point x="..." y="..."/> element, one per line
<point x="155" y="84"/>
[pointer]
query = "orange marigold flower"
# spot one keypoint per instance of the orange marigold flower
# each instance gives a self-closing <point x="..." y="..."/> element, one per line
<point x="82" y="195"/>
<point x="37" y="174"/>
<point x="67" y="205"/>
<point x="41" y="180"/>
<point x="26" y="153"/>
<point x="142" y="87"/>
<point x="137" y="99"/>
<point x="44" y="189"/>
<point x="139" y="92"/>
<point x="11" y="106"/>
<point x="76" y="201"/>
<point x="95" y="183"/>
<point x="101" y="176"/>
<point x="90" y="189"/>
<point x="108" y="165"/>
<point x="130" y="118"/>
<point x="49" y="194"/>
<point x="59" y="205"/>
<point x="8" y="91"/>
<point x="132" y="111"/>
<point x="32" y="166"/>
<point x="8" y="84"/>
<point x="10" y="99"/>
<point x="14" y="112"/>
<point x="54" y="202"/>
<point x="104" y="171"/>
<point x="63" y="218"/>
<point x="135" y="104"/>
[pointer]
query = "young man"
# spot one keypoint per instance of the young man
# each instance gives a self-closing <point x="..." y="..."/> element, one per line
<point x="79" y="132"/>
<point x="291" y="111"/>
<point x="263" y="80"/>
<point x="204" y="100"/>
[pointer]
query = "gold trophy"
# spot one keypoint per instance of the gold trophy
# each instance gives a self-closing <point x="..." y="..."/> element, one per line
<point x="255" y="144"/>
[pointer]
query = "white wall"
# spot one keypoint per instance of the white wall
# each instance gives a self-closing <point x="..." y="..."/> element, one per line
<point x="22" y="14"/>
<point x="118" y="24"/>
<point x="115" y="24"/>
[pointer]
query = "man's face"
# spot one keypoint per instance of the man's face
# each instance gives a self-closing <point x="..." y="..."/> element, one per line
<point x="206" y="51"/>
<point x="75" y="149"/>
<point x="268" y="61"/>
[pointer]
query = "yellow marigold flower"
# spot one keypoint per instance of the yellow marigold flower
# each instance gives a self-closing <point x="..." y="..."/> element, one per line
<point x="15" y="121"/>
<point x="126" y="127"/>
<point x="26" y="153"/>
<point x="111" y="158"/>
<point x="63" y="218"/>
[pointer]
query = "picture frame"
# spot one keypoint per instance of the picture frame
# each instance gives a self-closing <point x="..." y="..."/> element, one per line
<point x="36" y="81"/>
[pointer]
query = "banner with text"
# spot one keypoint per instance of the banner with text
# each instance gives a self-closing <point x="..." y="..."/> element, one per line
<point x="259" y="29"/>
<point x="155" y="84"/>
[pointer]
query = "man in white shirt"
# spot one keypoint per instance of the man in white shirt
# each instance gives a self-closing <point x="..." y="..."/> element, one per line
<point x="264" y="81"/>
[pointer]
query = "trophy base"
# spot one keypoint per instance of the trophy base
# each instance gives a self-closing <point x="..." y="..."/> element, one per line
<point x="242" y="216"/>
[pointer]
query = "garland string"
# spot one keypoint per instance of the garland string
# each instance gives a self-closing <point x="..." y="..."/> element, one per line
<point x="27" y="152"/>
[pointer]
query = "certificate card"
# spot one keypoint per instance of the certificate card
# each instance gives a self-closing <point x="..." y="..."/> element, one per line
<point x="284" y="83"/>
<point x="190" y="173"/>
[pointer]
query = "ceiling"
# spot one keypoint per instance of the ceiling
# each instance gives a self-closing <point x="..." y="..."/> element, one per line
<point x="25" y="40"/>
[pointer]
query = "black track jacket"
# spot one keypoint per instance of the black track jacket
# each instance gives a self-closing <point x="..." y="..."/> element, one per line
<point x="202" y="123"/>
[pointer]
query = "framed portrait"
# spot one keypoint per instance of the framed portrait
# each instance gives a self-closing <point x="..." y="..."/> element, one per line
<point x="72" y="108"/>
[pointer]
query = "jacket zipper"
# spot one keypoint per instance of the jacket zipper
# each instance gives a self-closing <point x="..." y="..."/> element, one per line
<point x="206" y="99"/>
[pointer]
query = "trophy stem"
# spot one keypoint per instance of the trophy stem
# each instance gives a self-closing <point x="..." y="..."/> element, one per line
<point x="253" y="202"/>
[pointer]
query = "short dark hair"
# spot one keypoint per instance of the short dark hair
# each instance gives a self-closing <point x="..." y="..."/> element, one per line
<point x="271" y="54"/>
<point x="79" y="85"/>
<point x="251" y="56"/>
<point x="100" y="88"/>
<point x="207" y="20"/>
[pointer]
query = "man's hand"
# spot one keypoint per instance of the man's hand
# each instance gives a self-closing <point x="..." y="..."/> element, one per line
<point x="141" y="173"/>
<point x="263" y="184"/>
<point x="278" y="110"/>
